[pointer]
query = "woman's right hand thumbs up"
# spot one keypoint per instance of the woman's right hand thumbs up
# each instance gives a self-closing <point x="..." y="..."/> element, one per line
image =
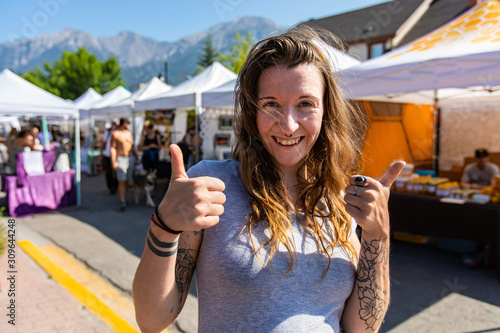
<point x="191" y="203"/>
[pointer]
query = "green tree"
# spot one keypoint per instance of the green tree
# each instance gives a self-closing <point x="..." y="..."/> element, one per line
<point x="238" y="53"/>
<point x="74" y="73"/>
<point x="208" y="56"/>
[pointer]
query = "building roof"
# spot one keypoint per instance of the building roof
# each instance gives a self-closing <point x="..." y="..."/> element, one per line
<point x="379" y="21"/>
<point x="439" y="13"/>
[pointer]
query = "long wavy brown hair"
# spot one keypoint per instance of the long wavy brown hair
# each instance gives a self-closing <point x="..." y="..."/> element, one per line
<point x="326" y="168"/>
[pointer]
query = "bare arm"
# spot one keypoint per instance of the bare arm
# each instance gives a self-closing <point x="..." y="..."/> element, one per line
<point x="133" y="150"/>
<point x="366" y="307"/>
<point x="164" y="275"/>
<point x="158" y="140"/>
<point x="161" y="283"/>
<point x="112" y="150"/>
<point x="141" y="144"/>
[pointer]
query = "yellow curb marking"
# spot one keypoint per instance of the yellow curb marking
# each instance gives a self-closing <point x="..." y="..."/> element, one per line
<point x="82" y="294"/>
<point x="109" y="295"/>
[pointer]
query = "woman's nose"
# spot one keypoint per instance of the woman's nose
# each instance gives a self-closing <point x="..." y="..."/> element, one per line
<point x="288" y="120"/>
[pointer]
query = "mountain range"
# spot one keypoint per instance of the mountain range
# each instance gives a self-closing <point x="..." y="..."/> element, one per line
<point x="140" y="57"/>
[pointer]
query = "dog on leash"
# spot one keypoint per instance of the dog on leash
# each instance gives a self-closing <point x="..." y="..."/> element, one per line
<point x="144" y="183"/>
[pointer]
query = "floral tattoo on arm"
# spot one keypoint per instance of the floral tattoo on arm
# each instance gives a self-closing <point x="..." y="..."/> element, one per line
<point x="184" y="270"/>
<point x="371" y="291"/>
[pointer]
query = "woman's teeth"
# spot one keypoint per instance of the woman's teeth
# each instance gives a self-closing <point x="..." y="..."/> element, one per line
<point x="288" y="142"/>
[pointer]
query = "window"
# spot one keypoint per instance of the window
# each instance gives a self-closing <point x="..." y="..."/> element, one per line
<point x="376" y="50"/>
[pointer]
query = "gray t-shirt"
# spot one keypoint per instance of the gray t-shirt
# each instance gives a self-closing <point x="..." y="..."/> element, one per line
<point x="474" y="175"/>
<point x="236" y="294"/>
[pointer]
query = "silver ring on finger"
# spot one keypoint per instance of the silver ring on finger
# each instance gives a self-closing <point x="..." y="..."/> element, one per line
<point x="360" y="181"/>
<point x="355" y="191"/>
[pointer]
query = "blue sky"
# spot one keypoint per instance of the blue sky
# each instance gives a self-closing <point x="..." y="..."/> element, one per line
<point x="162" y="20"/>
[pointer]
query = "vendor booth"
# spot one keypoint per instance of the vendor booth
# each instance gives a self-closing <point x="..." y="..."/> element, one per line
<point x="459" y="58"/>
<point x="36" y="187"/>
<point x="125" y="106"/>
<point x="83" y="103"/>
<point x="186" y="96"/>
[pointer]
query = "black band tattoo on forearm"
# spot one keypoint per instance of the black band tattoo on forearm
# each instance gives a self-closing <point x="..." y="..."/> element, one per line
<point x="160" y="243"/>
<point x="184" y="269"/>
<point x="158" y="252"/>
<point x="370" y="293"/>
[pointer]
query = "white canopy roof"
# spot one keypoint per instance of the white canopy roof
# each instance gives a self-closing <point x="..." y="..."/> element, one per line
<point x="110" y="98"/>
<point x="87" y="99"/>
<point x="463" y="53"/>
<point x="20" y="97"/>
<point x="185" y="94"/>
<point x="220" y="96"/>
<point x="153" y="87"/>
<point x="224" y="95"/>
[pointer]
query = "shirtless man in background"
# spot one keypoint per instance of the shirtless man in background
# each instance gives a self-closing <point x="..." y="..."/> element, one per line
<point x="122" y="149"/>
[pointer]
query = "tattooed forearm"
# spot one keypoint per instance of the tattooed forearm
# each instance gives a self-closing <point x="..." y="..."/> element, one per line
<point x="372" y="281"/>
<point x="184" y="269"/>
<point x="159" y="247"/>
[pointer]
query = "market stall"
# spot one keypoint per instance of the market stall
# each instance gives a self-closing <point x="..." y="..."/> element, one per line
<point x="125" y="106"/>
<point x="441" y="68"/>
<point x="83" y="103"/>
<point x="47" y="189"/>
<point x="188" y="95"/>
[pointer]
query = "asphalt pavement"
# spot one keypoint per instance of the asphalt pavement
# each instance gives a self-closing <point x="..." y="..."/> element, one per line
<point x="432" y="291"/>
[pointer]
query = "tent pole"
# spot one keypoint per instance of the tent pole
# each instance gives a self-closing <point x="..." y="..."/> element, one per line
<point x="196" y="129"/>
<point x="78" y="174"/>
<point x="91" y="133"/>
<point x="437" y="124"/>
<point x="133" y="127"/>
<point x="45" y="129"/>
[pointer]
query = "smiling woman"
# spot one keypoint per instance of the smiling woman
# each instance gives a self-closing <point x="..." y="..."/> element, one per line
<point x="290" y="114"/>
<point x="277" y="251"/>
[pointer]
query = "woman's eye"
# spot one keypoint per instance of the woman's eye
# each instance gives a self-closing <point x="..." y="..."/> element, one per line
<point x="270" y="105"/>
<point x="306" y="104"/>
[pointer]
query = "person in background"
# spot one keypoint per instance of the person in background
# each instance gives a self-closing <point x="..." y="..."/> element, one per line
<point x="24" y="141"/>
<point x="41" y="136"/>
<point x="110" y="174"/>
<point x="38" y="144"/>
<point x="191" y="141"/>
<point x="271" y="233"/>
<point x="480" y="174"/>
<point x="11" y="141"/>
<point x="122" y="158"/>
<point x="150" y="146"/>
<point x="57" y="136"/>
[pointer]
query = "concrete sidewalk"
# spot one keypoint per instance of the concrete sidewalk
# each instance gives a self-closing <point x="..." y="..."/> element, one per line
<point x="40" y="304"/>
<point x="431" y="290"/>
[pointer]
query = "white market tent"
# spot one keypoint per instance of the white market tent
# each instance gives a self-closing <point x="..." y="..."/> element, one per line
<point x="457" y="64"/>
<point x="111" y="97"/>
<point x="188" y="93"/>
<point x="153" y="87"/>
<point x="464" y="53"/>
<point x="224" y="95"/>
<point x="125" y="107"/>
<point x="19" y="97"/>
<point x="84" y="102"/>
<point x="219" y="96"/>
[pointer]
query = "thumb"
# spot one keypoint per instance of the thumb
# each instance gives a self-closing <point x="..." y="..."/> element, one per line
<point x="178" y="170"/>
<point x="392" y="173"/>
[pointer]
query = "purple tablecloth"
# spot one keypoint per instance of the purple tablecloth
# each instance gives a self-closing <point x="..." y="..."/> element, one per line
<point x="49" y="158"/>
<point x="42" y="193"/>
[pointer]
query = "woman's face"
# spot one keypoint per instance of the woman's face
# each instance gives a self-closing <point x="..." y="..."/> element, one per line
<point x="290" y="112"/>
